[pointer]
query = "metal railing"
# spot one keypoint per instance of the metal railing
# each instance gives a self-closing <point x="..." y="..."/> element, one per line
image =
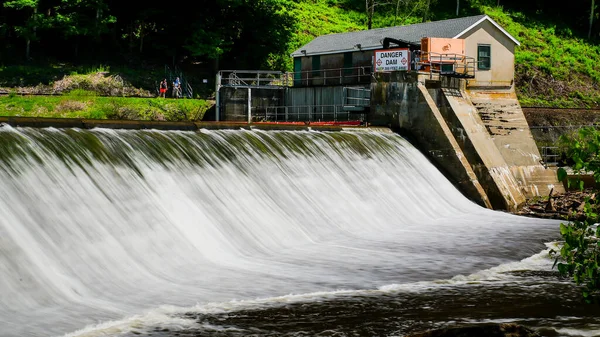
<point x="433" y="63"/>
<point x="303" y="113"/>
<point x="550" y="155"/>
<point x="335" y="76"/>
<point x="445" y="64"/>
<point x="250" y="78"/>
<point x="260" y="78"/>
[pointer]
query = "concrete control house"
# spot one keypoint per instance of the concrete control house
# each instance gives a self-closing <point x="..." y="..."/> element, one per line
<point x="446" y="85"/>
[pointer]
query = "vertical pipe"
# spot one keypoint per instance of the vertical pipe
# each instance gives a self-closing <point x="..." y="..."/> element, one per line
<point x="335" y="113"/>
<point x="218" y="104"/>
<point x="249" y="105"/>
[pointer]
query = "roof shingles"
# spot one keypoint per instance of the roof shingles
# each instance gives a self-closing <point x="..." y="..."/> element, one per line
<point x="371" y="39"/>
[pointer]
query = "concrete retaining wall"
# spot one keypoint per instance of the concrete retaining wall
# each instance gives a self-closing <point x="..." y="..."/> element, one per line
<point x="505" y="122"/>
<point x="400" y="101"/>
<point x="82" y="123"/>
<point x="441" y="120"/>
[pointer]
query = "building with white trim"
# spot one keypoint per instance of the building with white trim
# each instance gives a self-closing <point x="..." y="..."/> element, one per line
<point x="486" y="42"/>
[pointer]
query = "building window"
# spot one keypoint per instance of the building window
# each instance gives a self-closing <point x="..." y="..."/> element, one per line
<point x="348" y="63"/>
<point x="316" y="65"/>
<point x="484" y="57"/>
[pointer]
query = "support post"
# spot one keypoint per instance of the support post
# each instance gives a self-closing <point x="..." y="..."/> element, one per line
<point x="218" y="105"/>
<point x="249" y="105"/>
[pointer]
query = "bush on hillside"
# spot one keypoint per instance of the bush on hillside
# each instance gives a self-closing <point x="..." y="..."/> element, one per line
<point x="579" y="255"/>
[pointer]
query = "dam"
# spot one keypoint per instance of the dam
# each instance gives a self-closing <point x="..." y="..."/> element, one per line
<point x="290" y="219"/>
<point x="447" y="86"/>
<point x="171" y="233"/>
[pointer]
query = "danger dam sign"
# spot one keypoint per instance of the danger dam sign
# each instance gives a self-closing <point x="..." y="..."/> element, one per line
<point x="392" y="59"/>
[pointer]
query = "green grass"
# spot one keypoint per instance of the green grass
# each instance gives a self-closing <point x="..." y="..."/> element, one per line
<point x="83" y="104"/>
<point x="554" y="67"/>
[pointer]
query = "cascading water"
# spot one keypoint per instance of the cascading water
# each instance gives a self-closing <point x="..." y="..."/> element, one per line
<point x="108" y="232"/>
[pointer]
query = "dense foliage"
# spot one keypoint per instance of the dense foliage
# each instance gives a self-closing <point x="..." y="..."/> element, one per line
<point x="557" y="58"/>
<point x="240" y="32"/>
<point x="244" y="33"/>
<point x="579" y="255"/>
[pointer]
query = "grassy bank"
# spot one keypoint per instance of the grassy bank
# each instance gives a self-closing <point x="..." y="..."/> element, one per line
<point x="554" y="67"/>
<point x="86" y="104"/>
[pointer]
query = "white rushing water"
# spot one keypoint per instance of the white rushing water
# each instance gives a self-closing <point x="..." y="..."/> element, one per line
<point x="100" y="228"/>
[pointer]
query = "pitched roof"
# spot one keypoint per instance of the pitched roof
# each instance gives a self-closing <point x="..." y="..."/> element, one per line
<point x="372" y="39"/>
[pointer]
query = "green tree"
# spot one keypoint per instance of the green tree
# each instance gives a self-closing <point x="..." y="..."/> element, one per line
<point x="244" y="33"/>
<point x="579" y="255"/>
<point x="83" y="20"/>
<point x="28" y="28"/>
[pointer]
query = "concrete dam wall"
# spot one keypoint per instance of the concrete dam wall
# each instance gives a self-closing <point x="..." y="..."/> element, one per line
<point x="479" y="139"/>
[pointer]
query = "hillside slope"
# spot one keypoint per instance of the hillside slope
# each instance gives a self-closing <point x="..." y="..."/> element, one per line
<point x="554" y="67"/>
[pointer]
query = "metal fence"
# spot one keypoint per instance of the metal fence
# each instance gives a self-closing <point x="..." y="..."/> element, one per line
<point x="550" y="155"/>
<point x="260" y="78"/>
<point x="304" y="113"/>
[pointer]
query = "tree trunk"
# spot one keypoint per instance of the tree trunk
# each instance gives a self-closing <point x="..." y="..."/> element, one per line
<point x="457" y="7"/>
<point x="28" y="43"/>
<point x="131" y="38"/>
<point x="426" y="13"/>
<point x="591" y="19"/>
<point x="27" y="49"/>
<point x="370" y="7"/>
<point x="397" y="10"/>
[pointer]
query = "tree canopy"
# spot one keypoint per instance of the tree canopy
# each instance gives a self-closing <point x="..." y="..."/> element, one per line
<point x="245" y="32"/>
<point x="240" y="34"/>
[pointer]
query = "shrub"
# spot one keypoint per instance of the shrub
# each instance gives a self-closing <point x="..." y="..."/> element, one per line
<point x="579" y="254"/>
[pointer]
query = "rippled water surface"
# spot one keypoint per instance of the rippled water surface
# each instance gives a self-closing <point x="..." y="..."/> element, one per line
<point x="237" y="233"/>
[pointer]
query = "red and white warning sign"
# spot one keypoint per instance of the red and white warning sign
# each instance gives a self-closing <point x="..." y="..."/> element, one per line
<point x="392" y="59"/>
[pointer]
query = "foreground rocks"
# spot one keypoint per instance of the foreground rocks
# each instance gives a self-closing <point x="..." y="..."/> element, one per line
<point x="487" y="330"/>
<point x="559" y="206"/>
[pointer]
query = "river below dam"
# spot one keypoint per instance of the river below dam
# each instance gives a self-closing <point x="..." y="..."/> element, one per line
<point x="259" y="233"/>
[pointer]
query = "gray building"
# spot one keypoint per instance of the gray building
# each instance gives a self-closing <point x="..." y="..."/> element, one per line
<point x="346" y="58"/>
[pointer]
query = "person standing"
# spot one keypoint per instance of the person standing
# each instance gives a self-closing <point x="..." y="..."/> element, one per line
<point x="163" y="88"/>
<point x="176" y="88"/>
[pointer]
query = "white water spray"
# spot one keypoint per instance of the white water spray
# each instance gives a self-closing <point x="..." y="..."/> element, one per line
<point x="102" y="225"/>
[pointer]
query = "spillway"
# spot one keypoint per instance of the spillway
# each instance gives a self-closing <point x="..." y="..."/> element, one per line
<point x="98" y="227"/>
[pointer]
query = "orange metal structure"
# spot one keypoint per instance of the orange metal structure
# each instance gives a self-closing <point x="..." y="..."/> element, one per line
<point x="437" y="45"/>
<point x="443" y="55"/>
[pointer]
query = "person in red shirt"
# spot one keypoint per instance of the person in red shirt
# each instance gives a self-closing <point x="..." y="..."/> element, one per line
<point x="163" y="89"/>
